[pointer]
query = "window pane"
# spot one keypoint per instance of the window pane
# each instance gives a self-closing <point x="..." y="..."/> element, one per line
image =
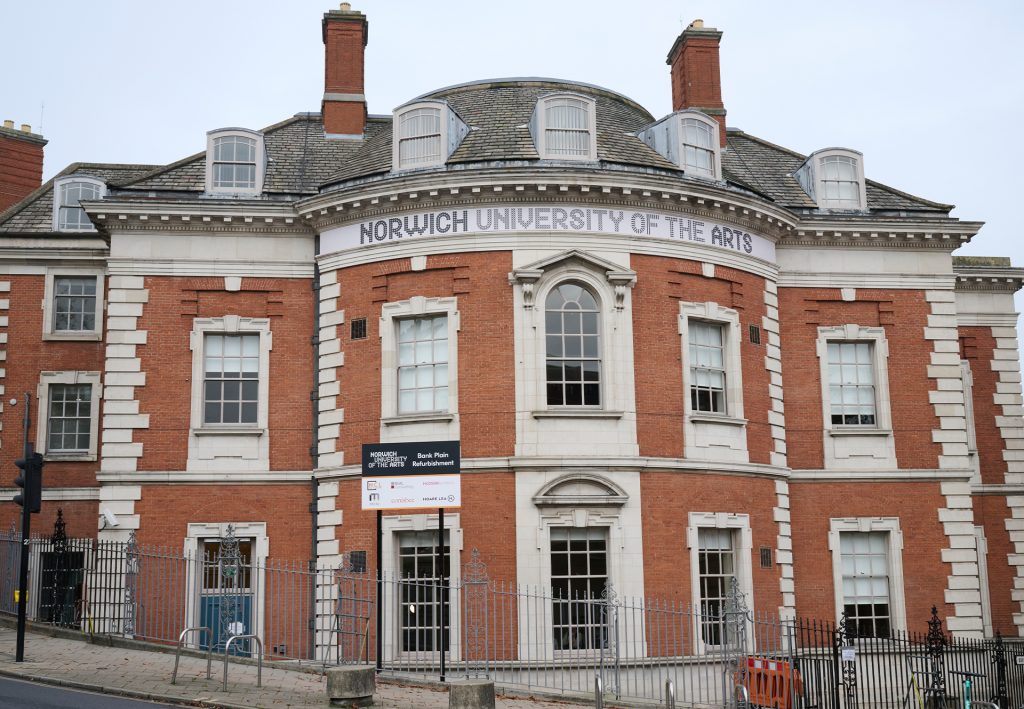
<point x="570" y="310"/>
<point x="70" y="418"/>
<point x="230" y="388"/>
<point x="423" y="364"/>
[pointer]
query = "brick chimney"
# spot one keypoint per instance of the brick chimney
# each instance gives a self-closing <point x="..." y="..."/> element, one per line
<point x="696" y="78"/>
<point x="21" y="163"/>
<point x="344" y="106"/>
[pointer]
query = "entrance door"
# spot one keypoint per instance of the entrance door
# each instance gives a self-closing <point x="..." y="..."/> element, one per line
<point x="226" y="591"/>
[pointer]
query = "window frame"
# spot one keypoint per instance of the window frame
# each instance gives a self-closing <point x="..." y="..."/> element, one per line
<point x="391" y="315"/>
<point x="875" y="337"/>
<point x="811" y="176"/>
<point x="49" y="303"/>
<point x="743" y="546"/>
<point x="452" y="130"/>
<point x="728" y="428"/>
<point x="590" y="532"/>
<point x="59" y="185"/>
<point x="46" y="381"/>
<point x="433" y="363"/>
<point x="562" y="334"/>
<point x="260" y="162"/>
<point x="539" y="126"/>
<point x="715" y="173"/>
<point x="891" y="527"/>
<point x="229" y="325"/>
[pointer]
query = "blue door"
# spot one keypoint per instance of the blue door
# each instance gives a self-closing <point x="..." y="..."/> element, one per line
<point x="226" y="592"/>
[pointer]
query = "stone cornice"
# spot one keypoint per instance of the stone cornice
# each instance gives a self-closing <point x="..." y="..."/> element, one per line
<point x="946" y="235"/>
<point x="627" y="190"/>
<point x="197" y="216"/>
<point x="994" y="279"/>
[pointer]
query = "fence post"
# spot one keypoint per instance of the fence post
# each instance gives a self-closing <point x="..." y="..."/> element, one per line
<point x="847" y="669"/>
<point x="131" y="579"/>
<point x="936" y="657"/>
<point x="475" y="584"/>
<point x="734" y="645"/>
<point x="999" y="660"/>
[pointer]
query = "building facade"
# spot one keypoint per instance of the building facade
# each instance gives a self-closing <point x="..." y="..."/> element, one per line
<point x="674" y="353"/>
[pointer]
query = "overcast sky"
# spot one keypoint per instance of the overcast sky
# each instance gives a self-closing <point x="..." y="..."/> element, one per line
<point x="930" y="91"/>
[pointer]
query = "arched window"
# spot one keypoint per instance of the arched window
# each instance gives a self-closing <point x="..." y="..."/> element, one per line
<point x="699" y="142"/>
<point x="68" y="214"/>
<point x="573" y="344"/>
<point x="419" y="137"/>
<point x="564" y="127"/>
<point x="235" y="162"/>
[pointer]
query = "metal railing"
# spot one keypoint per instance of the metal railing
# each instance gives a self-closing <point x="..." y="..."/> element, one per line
<point x="664" y="652"/>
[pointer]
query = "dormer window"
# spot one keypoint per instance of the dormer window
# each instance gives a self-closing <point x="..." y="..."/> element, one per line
<point x="426" y="134"/>
<point x="690" y="140"/>
<point x="68" y="192"/>
<point x="564" y="127"/>
<point x="235" y="162"/>
<point x="834" y="178"/>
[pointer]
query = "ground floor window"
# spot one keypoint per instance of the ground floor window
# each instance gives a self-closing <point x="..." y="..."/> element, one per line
<point x="579" y="577"/>
<point x="418" y="591"/>
<point x="865" y="568"/>
<point x="716" y="559"/>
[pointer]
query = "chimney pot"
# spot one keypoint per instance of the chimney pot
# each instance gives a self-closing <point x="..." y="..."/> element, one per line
<point x="8" y="124"/>
<point x="345" y="7"/>
<point x="26" y="128"/>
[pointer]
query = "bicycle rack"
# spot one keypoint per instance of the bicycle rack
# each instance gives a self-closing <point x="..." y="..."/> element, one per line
<point x="598" y="691"/>
<point x="259" y="658"/>
<point x="670" y="694"/>
<point x="209" y="650"/>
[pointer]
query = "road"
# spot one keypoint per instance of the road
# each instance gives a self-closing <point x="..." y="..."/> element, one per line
<point x="16" y="694"/>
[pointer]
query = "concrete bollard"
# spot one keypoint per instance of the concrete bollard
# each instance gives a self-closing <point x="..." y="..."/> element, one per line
<point x="351" y="686"/>
<point x="471" y="694"/>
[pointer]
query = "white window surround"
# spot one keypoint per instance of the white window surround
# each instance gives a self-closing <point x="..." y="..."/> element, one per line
<point x="610" y="285"/>
<point x="59" y="186"/>
<point x="436" y="425"/>
<point x="261" y="162"/>
<point x="710" y="435"/>
<point x="391" y="527"/>
<point x="229" y="325"/>
<point x="539" y="126"/>
<point x="452" y="130"/>
<point x="743" y="546"/>
<point x="46" y="380"/>
<point x="668" y="138"/>
<point x="54" y="272"/>
<point x="811" y="176"/>
<point x="199" y="532"/>
<point x="891" y="527"/>
<point x="858" y="446"/>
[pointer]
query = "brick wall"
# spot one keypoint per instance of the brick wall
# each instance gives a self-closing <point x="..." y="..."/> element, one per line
<point x="667" y="500"/>
<point x="485" y="354"/>
<point x="814" y="504"/>
<point x="21" y="165"/>
<point x="166" y="511"/>
<point x="28" y="355"/>
<point x="903" y="314"/>
<point x="167" y="361"/>
<point x="661" y="284"/>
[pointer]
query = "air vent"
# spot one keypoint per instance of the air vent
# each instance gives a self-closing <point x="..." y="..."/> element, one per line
<point x="766" y="557"/>
<point x="755" y="334"/>
<point x="357" y="559"/>
<point x="359" y="329"/>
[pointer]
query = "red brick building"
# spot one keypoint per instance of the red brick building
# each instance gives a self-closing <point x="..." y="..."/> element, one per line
<point x="679" y="351"/>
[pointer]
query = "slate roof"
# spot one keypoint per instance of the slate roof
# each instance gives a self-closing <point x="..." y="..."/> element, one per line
<point x="35" y="213"/>
<point x="302" y="162"/>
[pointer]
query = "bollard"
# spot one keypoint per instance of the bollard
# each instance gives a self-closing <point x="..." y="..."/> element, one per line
<point x="471" y="694"/>
<point x="351" y="685"/>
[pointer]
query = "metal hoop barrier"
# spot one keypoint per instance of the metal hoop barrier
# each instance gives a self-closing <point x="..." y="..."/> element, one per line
<point x="259" y="658"/>
<point x="209" y="649"/>
<point x="598" y="691"/>
<point x="670" y="694"/>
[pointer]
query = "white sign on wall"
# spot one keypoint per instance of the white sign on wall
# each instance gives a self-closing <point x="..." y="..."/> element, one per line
<point x="546" y="218"/>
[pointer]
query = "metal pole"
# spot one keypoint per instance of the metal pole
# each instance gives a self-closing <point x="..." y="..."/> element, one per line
<point x="26" y="524"/>
<point x="440" y="586"/>
<point x="380" y="588"/>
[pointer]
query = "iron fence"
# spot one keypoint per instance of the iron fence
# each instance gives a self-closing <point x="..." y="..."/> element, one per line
<point x="529" y="638"/>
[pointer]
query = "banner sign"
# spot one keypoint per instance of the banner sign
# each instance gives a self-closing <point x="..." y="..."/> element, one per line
<point x="401" y="476"/>
<point x="546" y="218"/>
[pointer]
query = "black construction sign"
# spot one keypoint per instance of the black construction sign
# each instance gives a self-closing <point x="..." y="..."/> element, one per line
<point x="400" y="476"/>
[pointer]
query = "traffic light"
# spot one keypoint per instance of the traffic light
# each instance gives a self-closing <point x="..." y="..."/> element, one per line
<point x="30" y="479"/>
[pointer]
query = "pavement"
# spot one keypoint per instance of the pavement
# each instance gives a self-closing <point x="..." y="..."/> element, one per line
<point x="130" y="669"/>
